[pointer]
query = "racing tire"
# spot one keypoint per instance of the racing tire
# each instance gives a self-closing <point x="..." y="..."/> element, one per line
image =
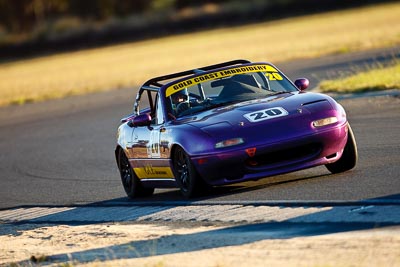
<point x="187" y="178"/>
<point x="349" y="158"/>
<point x="130" y="181"/>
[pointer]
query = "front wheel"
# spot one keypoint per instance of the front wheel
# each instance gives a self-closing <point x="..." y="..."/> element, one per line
<point x="187" y="178"/>
<point x="349" y="157"/>
<point x="130" y="181"/>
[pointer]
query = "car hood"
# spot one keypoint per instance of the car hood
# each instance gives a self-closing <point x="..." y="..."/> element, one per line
<point x="285" y="115"/>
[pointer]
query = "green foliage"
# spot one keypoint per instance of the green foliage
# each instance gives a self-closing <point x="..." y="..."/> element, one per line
<point x="24" y="15"/>
<point x="21" y="16"/>
<point x="375" y="79"/>
<point x="163" y="4"/>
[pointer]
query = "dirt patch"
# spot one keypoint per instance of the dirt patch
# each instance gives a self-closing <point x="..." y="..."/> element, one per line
<point x="196" y="244"/>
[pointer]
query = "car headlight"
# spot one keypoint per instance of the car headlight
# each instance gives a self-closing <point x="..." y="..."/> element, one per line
<point x="229" y="142"/>
<point x="324" y="122"/>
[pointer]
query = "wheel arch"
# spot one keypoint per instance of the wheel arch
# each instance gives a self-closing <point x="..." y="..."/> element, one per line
<point x="118" y="149"/>
<point x="173" y="149"/>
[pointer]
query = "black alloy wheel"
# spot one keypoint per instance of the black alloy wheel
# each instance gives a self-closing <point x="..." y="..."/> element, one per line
<point x="130" y="181"/>
<point x="187" y="178"/>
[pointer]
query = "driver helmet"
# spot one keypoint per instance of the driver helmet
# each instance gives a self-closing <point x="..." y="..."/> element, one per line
<point x="180" y="97"/>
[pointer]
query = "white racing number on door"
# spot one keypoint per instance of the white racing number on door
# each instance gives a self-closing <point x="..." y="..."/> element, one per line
<point x="153" y="149"/>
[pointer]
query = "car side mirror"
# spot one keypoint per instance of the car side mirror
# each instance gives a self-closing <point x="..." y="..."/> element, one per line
<point x="140" y="120"/>
<point x="302" y="83"/>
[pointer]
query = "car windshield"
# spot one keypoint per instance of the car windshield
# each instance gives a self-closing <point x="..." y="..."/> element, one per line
<point x="225" y="87"/>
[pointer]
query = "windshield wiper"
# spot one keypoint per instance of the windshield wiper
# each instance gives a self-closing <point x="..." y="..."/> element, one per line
<point x="278" y="92"/>
<point x="209" y="105"/>
<point x="226" y="103"/>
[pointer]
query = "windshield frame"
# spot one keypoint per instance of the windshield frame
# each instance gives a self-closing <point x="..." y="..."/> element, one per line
<point x="266" y="72"/>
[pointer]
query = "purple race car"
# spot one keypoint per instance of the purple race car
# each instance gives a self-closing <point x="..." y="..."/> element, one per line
<point x="228" y="123"/>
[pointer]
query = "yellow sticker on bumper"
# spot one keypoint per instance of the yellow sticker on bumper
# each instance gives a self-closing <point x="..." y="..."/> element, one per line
<point x="153" y="172"/>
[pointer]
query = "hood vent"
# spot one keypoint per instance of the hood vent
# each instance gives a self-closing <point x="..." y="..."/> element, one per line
<point x="318" y="105"/>
<point x="314" y="102"/>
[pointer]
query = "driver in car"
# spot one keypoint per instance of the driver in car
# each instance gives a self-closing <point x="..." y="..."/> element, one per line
<point x="180" y="101"/>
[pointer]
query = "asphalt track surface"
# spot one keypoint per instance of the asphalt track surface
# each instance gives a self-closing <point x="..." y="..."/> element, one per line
<point x="61" y="152"/>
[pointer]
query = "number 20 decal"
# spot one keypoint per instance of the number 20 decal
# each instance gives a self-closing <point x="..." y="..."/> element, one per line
<point x="266" y="114"/>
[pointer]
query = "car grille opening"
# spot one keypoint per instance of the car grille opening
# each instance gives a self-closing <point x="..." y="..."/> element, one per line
<point x="285" y="156"/>
<point x="331" y="156"/>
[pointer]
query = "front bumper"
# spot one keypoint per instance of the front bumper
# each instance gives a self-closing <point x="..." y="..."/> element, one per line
<point x="236" y="165"/>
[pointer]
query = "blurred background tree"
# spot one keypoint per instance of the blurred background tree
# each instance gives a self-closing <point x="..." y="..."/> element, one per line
<point x="31" y="26"/>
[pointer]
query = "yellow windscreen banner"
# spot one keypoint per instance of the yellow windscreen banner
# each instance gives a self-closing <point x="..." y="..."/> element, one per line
<point x="153" y="172"/>
<point x="217" y="75"/>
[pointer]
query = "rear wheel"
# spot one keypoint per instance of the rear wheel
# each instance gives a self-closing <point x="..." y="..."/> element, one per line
<point x="130" y="181"/>
<point x="349" y="157"/>
<point x="188" y="180"/>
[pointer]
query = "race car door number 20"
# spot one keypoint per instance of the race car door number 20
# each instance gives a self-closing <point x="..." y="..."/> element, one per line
<point x="266" y="114"/>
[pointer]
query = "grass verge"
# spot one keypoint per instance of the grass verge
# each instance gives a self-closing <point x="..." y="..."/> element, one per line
<point x="378" y="78"/>
<point x="131" y="64"/>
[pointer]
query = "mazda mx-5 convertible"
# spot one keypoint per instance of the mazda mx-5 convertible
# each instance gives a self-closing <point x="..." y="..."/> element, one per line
<point x="228" y="123"/>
